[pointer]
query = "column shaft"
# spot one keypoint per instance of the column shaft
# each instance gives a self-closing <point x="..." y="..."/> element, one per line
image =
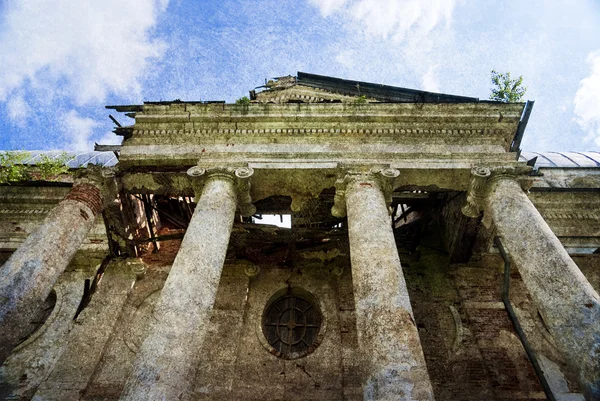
<point x="387" y="334"/>
<point x="28" y="276"/>
<point x="567" y="302"/>
<point x="165" y="363"/>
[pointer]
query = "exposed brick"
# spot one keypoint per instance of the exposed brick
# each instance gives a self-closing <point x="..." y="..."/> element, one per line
<point x="87" y="194"/>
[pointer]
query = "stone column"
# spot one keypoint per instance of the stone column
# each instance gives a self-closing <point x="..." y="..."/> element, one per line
<point x="387" y="335"/>
<point x="28" y="276"/>
<point x="567" y="302"/>
<point x="166" y="361"/>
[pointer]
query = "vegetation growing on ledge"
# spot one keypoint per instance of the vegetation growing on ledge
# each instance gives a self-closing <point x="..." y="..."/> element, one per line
<point x="13" y="169"/>
<point x="505" y="89"/>
<point x="243" y="100"/>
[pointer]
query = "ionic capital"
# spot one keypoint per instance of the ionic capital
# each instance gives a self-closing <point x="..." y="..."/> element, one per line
<point x="239" y="176"/>
<point x="477" y="191"/>
<point x="381" y="178"/>
<point x="483" y="180"/>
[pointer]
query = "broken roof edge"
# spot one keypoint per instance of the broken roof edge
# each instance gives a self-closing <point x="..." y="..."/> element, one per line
<point x="385" y="93"/>
<point x="381" y="93"/>
<point x="515" y="145"/>
<point x="127" y="108"/>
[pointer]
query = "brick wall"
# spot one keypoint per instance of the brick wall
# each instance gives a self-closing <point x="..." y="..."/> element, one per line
<point x="470" y="346"/>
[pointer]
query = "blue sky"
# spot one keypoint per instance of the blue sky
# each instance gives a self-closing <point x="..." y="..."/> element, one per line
<point x="64" y="60"/>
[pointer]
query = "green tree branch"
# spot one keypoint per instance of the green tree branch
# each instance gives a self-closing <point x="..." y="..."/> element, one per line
<point x="506" y="89"/>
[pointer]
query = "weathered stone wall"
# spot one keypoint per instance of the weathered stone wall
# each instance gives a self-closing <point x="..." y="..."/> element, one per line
<point x="590" y="267"/>
<point x="471" y="348"/>
<point x="237" y="344"/>
<point x="32" y="360"/>
<point x="236" y="364"/>
<point x="87" y="340"/>
<point x="470" y="344"/>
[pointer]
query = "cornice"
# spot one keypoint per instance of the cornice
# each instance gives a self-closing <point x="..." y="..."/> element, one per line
<point x="319" y="132"/>
<point x="465" y="110"/>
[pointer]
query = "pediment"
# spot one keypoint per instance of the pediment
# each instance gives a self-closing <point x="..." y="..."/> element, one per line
<point x="313" y="88"/>
<point x="297" y="93"/>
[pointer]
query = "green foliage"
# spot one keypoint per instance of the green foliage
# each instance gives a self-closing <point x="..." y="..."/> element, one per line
<point x="47" y="169"/>
<point x="243" y="100"/>
<point x="361" y="100"/>
<point x="12" y="168"/>
<point x="506" y="89"/>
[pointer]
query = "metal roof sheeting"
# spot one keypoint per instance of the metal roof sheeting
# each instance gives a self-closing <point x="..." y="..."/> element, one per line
<point x="562" y="159"/>
<point x="74" y="159"/>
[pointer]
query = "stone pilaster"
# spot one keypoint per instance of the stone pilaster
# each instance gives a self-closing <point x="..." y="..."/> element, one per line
<point x="165" y="364"/>
<point x="567" y="302"/>
<point x="28" y="276"/>
<point x="387" y="335"/>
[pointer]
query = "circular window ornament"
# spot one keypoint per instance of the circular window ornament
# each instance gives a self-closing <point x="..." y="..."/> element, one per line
<point x="292" y="324"/>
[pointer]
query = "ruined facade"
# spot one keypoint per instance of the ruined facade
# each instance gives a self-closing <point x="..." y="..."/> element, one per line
<point x="428" y="258"/>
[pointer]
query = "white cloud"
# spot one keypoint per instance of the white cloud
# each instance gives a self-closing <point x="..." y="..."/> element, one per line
<point x="390" y="18"/>
<point x="587" y="100"/>
<point x="17" y="109"/>
<point x="89" y="47"/>
<point x="346" y="58"/>
<point x="430" y="80"/>
<point x="110" y="138"/>
<point x="78" y="131"/>
<point x="327" y="7"/>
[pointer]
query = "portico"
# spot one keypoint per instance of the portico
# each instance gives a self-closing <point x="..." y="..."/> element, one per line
<point x="366" y="161"/>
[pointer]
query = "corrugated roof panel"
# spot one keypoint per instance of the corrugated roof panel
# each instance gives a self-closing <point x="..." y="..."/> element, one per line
<point x="36" y="156"/>
<point x="563" y="159"/>
<point x="74" y="159"/>
<point x="80" y="160"/>
<point x="108" y="159"/>
<point x="581" y="159"/>
<point x="526" y="156"/>
<point x="542" y="160"/>
<point x="593" y="155"/>
<point x="32" y="157"/>
<point x="560" y="160"/>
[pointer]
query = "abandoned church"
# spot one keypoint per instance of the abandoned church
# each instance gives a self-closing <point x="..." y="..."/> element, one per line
<point x="425" y="256"/>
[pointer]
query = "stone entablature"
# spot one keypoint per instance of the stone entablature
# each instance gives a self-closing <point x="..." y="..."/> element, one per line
<point x="166" y="135"/>
<point x="297" y="149"/>
<point x="448" y="118"/>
